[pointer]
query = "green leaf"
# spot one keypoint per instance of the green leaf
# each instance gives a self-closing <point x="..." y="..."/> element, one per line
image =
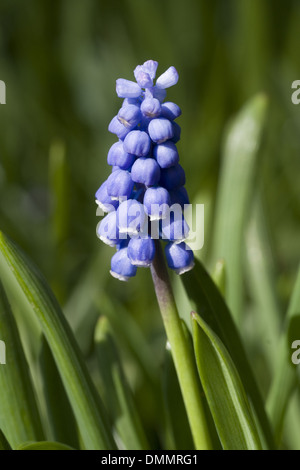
<point x="4" y="444"/>
<point x="59" y="412"/>
<point x="116" y="392"/>
<point x="237" y="183"/>
<point x="285" y="380"/>
<point x="19" y="416"/>
<point x="224" y="390"/>
<point x="261" y="281"/>
<point x="208" y="302"/>
<point x="44" y="445"/>
<point x="178" y="429"/>
<point x="219" y="276"/>
<point x="86" y="403"/>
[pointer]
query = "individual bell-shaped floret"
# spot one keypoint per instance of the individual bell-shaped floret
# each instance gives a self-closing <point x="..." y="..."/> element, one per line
<point x="157" y="202"/>
<point x="107" y="229"/>
<point x="121" y="266"/>
<point x="173" y="177"/>
<point x="179" y="257"/>
<point x="127" y="89"/>
<point x="118" y="157"/>
<point x="149" y="67"/>
<point x="176" y="132"/>
<point x="137" y="143"/>
<point x="120" y="185"/>
<point x="168" y="78"/>
<point x="170" y="110"/>
<point x="151" y="107"/>
<point x="174" y="227"/>
<point x="160" y="130"/>
<point x="130" y="116"/>
<point x="131" y="217"/>
<point x="116" y="127"/>
<point x="142" y="77"/>
<point x="166" y="154"/>
<point x="141" y="251"/>
<point x="179" y="196"/>
<point x="145" y="170"/>
<point x="104" y="201"/>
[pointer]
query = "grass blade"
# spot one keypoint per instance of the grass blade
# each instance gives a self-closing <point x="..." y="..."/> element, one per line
<point x="224" y="390"/>
<point x="261" y="283"/>
<point x="59" y="412"/>
<point x="178" y="430"/>
<point x="235" y="192"/>
<point x="44" y="445"/>
<point x="86" y="404"/>
<point x="285" y="380"/>
<point x="116" y="391"/>
<point x="208" y="301"/>
<point x="4" y="444"/>
<point x="19" y="416"/>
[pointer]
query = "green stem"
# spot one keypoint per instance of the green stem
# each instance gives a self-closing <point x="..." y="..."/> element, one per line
<point x="181" y="353"/>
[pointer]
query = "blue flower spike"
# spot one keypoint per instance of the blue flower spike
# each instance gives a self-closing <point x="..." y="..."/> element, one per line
<point x="146" y="178"/>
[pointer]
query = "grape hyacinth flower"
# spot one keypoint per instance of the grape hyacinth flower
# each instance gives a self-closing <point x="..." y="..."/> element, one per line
<point x="146" y="177"/>
<point x="144" y="198"/>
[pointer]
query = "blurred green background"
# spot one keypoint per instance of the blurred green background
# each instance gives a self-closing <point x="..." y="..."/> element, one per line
<point x="60" y="60"/>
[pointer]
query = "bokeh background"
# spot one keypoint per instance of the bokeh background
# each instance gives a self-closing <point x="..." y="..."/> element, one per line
<point x="60" y="60"/>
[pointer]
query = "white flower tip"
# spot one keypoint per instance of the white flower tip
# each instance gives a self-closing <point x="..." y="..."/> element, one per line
<point x="185" y="269"/>
<point x="119" y="276"/>
<point x="106" y="240"/>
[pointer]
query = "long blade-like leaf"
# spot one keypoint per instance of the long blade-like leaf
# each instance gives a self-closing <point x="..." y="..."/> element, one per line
<point x="285" y="379"/>
<point x="19" y="416"/>
<point x="116" y="392"/>
<point x="4" y="444"/>
<point x="234" y="196"/>
<point x="44" y="445"/>
<point x="86" y="404"/>
<point x="224" y="390"/>
<point x="207" y="300"/>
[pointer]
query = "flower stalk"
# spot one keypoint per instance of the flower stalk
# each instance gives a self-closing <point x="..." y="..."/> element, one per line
<point x="182" y="356"/>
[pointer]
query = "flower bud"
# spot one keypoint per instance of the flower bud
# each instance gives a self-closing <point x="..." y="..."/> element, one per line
<point x="179" y="196"/>
<point x="120" y="185"/>
<point x="168" y="78"/>
<point x="107" y="229"/>
<point x="118" y="157"/>
<point x="137" y="143"/>
<point x="121" y="267"/>
<point x="127" y="89"/>
<point x="141" y="251"/>
<point x="170" y="110"/>
<point x="175" y="228"/>
<point x="179" y="257"/>
<point x="173" y="177"/>
<point x="166" y="154"/>
<point x="160" y="130"/>
<point x="176" y="132"/>
<point x="116" y="127"/>
<point x="104" y="201"/>
<point x="157" y="202"/>
<point x="145" y="170"/>
<point x="129" y="116"/>
<point x="151" y="107"/>
<point x="131" y="217"/>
